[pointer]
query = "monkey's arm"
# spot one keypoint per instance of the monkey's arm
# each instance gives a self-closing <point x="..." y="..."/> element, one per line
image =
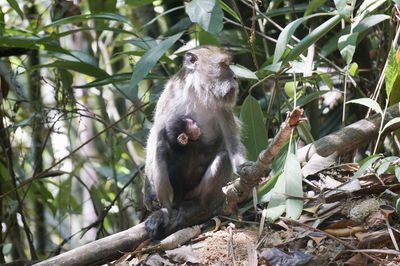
<point x="157" y="190"/>
<point x="230" y="127"/>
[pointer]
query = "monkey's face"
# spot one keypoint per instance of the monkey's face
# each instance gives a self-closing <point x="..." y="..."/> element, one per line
<point x="212" y="74"/>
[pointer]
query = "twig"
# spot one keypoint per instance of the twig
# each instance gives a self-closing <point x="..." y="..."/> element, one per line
<point x="349" y="246"/>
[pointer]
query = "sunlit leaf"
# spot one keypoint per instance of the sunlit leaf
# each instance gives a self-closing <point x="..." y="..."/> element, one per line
<point x="137" y="3"/>
<point x="345" y="7"/>
<point x="149" y="59"/>
<point x="243" y="72"/>
<point x="314" y="4"/>
<point x="293" y="177"/>
<point x="15" y="6"/>
<point x="315" y="35"/>
<point x="80" y="67"/>
<point x="277" y="202"/>
<point x="353" y="69"/>
<point x="397" y="173"/>
<point x="365" y="164"/>
<point x="254" y="134"/>
<point x="392" y="71"/>
<point x="369" y="22"/>
<point x="80" y="18"/>
<point x="391" y="122"/>
<point x="287" y="33"/>
<point x="228" y="9"/>
<point x="207" y="13"/>
<point x="347" y="46"/>
<point x="368" y="103"/>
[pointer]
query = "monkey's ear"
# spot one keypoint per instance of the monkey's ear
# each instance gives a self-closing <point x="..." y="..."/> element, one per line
<point x="189" y="60"/>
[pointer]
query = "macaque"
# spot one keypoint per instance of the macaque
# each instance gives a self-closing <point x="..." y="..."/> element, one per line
<point x="205" y="89"/>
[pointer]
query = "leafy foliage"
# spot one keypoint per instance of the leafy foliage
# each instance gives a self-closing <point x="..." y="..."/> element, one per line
<point x="79" y="84"/>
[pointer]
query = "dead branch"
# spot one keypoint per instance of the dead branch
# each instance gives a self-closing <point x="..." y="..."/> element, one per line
<point x="350" y="137"/>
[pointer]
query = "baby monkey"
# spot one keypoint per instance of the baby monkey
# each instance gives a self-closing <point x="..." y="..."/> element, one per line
<point x="180" y="130"/>
<point x="182" y="151"/>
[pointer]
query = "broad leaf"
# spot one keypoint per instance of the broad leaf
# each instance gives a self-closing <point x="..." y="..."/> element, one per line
<point x="314" y="4"/>
<point x="365" y="164"/>
<point x="391" y="122"/>
<point x="345" y="7"/>
<point x="80" y="18"/>
<point x="149" y="59"/>
<point x="391" y="72"/>
<point x="293" y="177"/>
<point x="242" y="72"/>
<point x="15" y="6"/>
<point x="288" y="32"/>
<point x="353" y="69"/>
<point x="31" y="42"/>
<point x="207" y="13"/>
<point x="80" y="67"/>
<point x="254" y="134"/>
<point x="228" y="9"/>
<point x="314" y="36"/>
<point x="277" y="202"/>
<point x="347" y="46"/>
<point x="368" y="103"/>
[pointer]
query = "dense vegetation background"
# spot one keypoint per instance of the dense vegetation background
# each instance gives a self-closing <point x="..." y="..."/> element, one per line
<point x="80" y="79"/>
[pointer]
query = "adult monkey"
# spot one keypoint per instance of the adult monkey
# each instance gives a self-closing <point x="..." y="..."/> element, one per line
<point x="206" y="90"/>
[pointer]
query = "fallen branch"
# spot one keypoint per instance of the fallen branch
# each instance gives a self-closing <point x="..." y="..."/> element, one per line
<point x="350" y="137"/>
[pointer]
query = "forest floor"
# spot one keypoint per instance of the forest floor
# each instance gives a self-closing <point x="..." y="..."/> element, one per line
<point x="343" y="223"/>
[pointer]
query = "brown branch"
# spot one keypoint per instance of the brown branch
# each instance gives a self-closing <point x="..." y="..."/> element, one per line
<point x="351" y="137"/>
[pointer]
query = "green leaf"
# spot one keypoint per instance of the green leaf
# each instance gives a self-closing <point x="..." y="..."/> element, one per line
<point x="365" y="164"/>
<point x="80" y="18"/>
<point x="391" y="72"/>
<point x="149" y="59"/>
<point x="293" y="177"/>
<point x="6" y="248"/>
<point x="80" y="67"/>
<point x="31" y="42"/>
<point x="347" y="46"/>
<point x="15" y="6"/>
<point x="228" y="9"/>
<point x="345" y="7"/>
<point x="368" y="103"/>
<point x="391" y="122"/>
<point x="206" y="38"/>
<point x="397" y="173"/>
<point x="207" y="13"/>
<point x="382" y="168"/>
<point x="161" y="15"/>
<point x="315" y="35"/>
<point x="137" y="3"/>
<point x="116" y="78"/>
<point x="286" y="33"/>
<point x="277" y="203"/>
<point x="254" y="134"/>
<point x="353" y="69"/>
<point x="314" y="4"/>
<point x="369" y="22"/>
<point x="242" y="72"/>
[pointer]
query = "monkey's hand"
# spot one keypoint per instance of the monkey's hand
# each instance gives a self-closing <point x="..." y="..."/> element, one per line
<point x="157" y="223"/>
<point x="243" y="165"/>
